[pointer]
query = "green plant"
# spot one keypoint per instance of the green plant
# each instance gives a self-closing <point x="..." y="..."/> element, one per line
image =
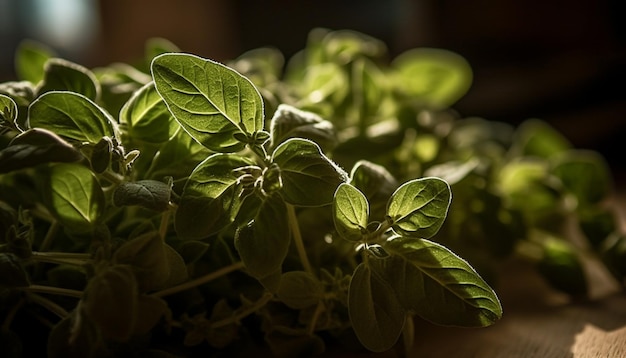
<point x="191" y="223"/>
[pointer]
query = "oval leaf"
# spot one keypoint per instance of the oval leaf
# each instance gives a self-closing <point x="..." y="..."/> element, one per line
<point x="584" y="174"/>
<point x="62" y="75"/>
<point x="36" y="146"/>
<point x="210" y="101"/>
<point x="8" y="110"/>
<point x="419" y="207"/>
<point x="375" y="312"/>
<point x="110" y="301"/>
<point x="299" y="290"/>
<point x="72" y="116"/>
<point x="438" y="285"/>
<point x="211" y="197"/>
<point x="436" y="77"/>
<point x="30" y="57"/>
<point x="350" y="212"/>
<point x="376" y="183"/>
<point x="146" y="117"/>
<point x="150" y="194"/>
<point x="290" y="122"/>
<point x="75" y="196"/>
<point x="263" y="244"/>
<point x="309" y="177"/>
<point x="146" y="255"/>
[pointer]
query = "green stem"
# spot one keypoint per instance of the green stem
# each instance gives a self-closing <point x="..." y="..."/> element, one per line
<point x="297" y="238"/>
<point x="165" y="220"/>
<point x="408" y="335"/>
<point x="245" y="312"/>
<point x="313" y="322"/>
<point x="113" y="178"/>
<point x="49" y="305"/>
<point x="61" y="258"/>
<point x="11" y="315"/>
<point x="200" y="280"/>
<point x="50" y="235"/>
<point x="53" y="290"/>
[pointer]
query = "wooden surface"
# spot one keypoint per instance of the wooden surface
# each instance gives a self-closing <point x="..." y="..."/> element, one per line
<point x="536" y="323"/>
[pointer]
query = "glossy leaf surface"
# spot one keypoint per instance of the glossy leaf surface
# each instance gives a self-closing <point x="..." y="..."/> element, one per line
<point x="63" y="75"/>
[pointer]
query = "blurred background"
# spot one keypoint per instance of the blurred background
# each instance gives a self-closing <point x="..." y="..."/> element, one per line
<point x="561" y="61"/>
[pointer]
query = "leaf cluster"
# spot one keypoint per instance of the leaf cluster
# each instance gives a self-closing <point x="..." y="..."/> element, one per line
<point x="156" y="210"/>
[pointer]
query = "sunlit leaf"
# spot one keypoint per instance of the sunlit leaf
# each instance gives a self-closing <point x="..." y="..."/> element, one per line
<point x="435" y="77"/>
<point x="72" y="116"/>
<point x="376" y="315"/>
<point x="30" y="57"/>
<point x="210" y="101"/>
<point x="211" y="198"/>
<point x="419" y="207"/>
<point x="146" y="118"/>
<point x="350" y="212"/>
<point x="8" y="109"/>
<point x="376" y="183"/>
<point x="535" y="137"/>
<point x="433" y="282"/>
<point x="75" y="196"/>
<point x="63" y="75"/>
<point x="309" y="177"/>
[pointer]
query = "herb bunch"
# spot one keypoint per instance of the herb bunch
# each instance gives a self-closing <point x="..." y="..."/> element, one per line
<point x="182" y="205"/>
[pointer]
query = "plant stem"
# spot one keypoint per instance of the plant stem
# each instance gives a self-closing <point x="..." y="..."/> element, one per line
<point x="61" y="258"/>
<point x="49" y="305"/>
<point x="245" y="312"/>
<point x="11" y="314"/>
<point x="297" y="238"/>
<point x="311" y="325"/>
<point x="53" y="290"/>
<point x="200" y="280"/>
<point x="408" y="335"/>
<point x="50" y="234"/>
<point x="165" y="220"/>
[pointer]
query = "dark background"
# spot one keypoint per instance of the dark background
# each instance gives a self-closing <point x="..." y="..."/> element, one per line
<point x="561" y="61"/>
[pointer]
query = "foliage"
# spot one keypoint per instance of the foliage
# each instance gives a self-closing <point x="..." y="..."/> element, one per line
<point x="162" y="214"/>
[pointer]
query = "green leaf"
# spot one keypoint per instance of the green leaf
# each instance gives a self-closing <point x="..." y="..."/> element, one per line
<point x="111" y="300"/>
<point x="30" y="58"/>
<point x="438" y="285"/>
<point x="535" y="137"/>
<point x="150" y="309"/>
<point x="12" y="273"/>
<point x="211" y="198"/>
<point x="177" y="157"/>
<point x="309" y="177"/>
<point x="75" y="196"/>
<point x="150" y="194"/>
<point x="299" y="290"/>
<point x="156" y="46"/>
<point x="327" y="82"/>
<point x="263" y="244"/>
<point x="36" y="146"/>
<point x="290" y="122"/>
<point x="210" y="101"/>
<point x="585" y="174"/>
<point x="376" y="315"/>
<point x="8" y="110"/>
<point x="72" y="116"/>
<point x="419" y="207"/>
<point x="145" y="117"/>
<point x="146" y="255"/>
<point x="376" y="183"/>
<point x="63" y="75"/>
<point x="350" y="212"/>
<point x="435" y="77"/>
<point x="562" y="266"/>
